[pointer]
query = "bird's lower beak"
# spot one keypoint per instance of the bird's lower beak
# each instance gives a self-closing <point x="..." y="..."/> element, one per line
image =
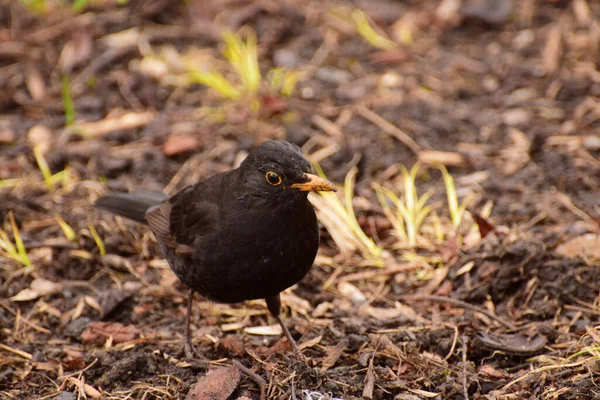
<point x="314" y="183"/>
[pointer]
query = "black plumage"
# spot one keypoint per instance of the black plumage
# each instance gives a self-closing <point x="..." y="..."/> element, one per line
<point x="244" y="234"/>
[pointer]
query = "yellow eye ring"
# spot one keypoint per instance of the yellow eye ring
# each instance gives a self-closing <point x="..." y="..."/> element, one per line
<point x="273" y="178"/>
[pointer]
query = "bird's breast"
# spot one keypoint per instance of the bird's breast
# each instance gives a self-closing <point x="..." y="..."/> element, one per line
<point x="258" y="255"/>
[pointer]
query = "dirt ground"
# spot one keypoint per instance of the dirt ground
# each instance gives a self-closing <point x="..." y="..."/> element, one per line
<point x="499" y="304"/>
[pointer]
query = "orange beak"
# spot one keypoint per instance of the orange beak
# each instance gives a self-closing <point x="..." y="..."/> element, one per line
<point x="314" y="183"/>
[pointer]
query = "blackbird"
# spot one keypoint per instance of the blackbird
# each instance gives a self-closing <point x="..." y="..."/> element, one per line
<point x="248" y="233"/>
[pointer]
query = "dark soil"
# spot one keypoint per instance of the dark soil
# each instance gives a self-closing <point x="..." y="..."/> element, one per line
<point x="512" y="314"/>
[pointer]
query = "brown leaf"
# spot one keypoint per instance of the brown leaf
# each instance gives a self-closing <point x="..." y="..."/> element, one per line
<point x="98" y="332"/>
<point x="273" y="105"/>
<point x="72" y="364"/>
<point x="490" y="371"/>
<point x="217" y="384"/>
<point x="179" y="144"/>
<point x="485" y="227"/>
<point x="233" y="344"/>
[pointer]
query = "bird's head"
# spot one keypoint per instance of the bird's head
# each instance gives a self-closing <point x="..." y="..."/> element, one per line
<point x="278" y="169"/>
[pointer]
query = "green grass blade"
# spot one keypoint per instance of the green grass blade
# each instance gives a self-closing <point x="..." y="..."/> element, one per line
<point x="365" y="30"/>
<point x="97" y="239"/>
<point x="24" y="259"/>
<point x="67" y="99"/>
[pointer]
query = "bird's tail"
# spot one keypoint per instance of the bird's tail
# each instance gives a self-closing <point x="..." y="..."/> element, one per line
<point x="130" y="205"/>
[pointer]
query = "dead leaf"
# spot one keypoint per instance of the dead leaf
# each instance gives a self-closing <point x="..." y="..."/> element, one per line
<point x="233" y="344"/>
<point x="485" y="227"/>
<point x="38" y="288"/>
<point x="180" y="144"/>
<point x="99" y="332"/>
<point x="489" y="370"/>
<point x="217" y="384"/>
<point x="272" y="105"/>
<point x="312" y="342"/>
<point x="587" y="245"/>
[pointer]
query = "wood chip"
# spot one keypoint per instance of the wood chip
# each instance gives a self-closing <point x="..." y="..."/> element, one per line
<point x="126" y="121"/>
<point x="447" y="158"/>
<point x="553" y="51"/>
<point x="369" y="382"/>
<point x="333" y="355"/>
<point x="270" y="330"/>
<point x="312" y="342"/>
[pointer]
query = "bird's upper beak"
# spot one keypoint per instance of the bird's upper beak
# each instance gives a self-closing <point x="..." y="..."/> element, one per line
<point x="314" y="183"/>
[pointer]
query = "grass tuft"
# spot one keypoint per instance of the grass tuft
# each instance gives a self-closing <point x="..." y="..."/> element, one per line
<point x="241" y="52"/>
<point x="410" y="209"/>
<point x="17" y="250"/>
<point x="243" y="57"/>
<point x="50" y="179"/>
<point x="340" y="220"/>
<point x="455" y="209"/>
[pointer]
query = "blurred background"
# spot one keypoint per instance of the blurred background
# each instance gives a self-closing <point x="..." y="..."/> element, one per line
<point x="459" y="259"/>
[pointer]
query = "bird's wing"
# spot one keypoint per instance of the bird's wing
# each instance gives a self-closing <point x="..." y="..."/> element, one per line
<point x="191" y="213"/>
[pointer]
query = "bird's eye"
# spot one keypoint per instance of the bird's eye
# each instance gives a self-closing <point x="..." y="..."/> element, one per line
<point x="273" y="178"/>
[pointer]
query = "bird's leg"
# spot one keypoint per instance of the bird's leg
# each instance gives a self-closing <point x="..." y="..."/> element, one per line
<point x="188" y="348"/>
<point x="274" y="306"/>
